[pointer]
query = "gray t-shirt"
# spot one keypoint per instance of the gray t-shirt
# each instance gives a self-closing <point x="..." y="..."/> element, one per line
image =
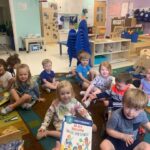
<point x="102" y="83"/>
<point x="120" y="123"/>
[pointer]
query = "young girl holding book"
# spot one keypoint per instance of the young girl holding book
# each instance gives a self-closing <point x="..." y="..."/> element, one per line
<point x="65" y="104"/>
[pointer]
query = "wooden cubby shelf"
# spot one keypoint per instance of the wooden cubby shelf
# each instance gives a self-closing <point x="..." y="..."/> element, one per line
<point x="112" y="50"/>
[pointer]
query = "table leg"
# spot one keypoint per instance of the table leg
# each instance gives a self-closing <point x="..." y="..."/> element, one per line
<point x="60" y="46"/>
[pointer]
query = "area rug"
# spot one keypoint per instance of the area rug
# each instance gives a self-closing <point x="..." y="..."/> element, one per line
<point x="33" y="118"/>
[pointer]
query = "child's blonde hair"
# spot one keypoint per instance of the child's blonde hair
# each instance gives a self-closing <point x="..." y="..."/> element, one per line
<point x="65" y="84"/>
<point x="46" y="61"/>
<point x="107" y="65"/>
<point x="83" y="55"/>
<point x="135" y="98"/>
<point x="22" y="66"/>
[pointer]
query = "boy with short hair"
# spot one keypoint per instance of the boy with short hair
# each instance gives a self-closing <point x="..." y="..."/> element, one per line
<point x="115" y="94"/>
<point x="122" y="127"/>
<point x="47" y="76"/>
<point x="84" y="72"/>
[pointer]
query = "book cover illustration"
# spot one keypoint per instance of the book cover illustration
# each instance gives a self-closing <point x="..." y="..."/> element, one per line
<point x="76" y="134"/>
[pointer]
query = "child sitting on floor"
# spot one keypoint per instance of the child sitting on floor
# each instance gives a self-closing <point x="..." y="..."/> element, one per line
<point x="12" y="62"/>
<point x="145" y="84"/>
<point x="101" y="83"/>
<point x="6" y="79"/>
<point x="25" y="91"/>
<point x="85" y="74"/>
<point x="115" y="94"/>
<point x="47" y="76"/>
<point x="65" y="104"/>
<point x="122" y="127"/>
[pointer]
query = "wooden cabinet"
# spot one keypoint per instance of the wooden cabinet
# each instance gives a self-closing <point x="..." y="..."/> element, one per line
<point x="49" y="22"/>
<point x="110" y="50"/>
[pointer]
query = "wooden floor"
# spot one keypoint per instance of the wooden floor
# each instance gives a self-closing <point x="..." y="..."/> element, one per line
<point x="96" y="111"/>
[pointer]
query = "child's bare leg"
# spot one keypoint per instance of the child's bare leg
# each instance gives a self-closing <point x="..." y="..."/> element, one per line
<point x="142" y="146"/>
<point x="23" y="99"/>
<point x="92" y="75"/>
<point x="106" y="145"/>
<point x="85" y="85"/>
<point x="51" y="85"/>
<point x="46" y="133"/>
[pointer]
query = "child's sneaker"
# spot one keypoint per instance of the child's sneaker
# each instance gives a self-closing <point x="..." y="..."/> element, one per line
<point x="82" y="93"/>
<point x="27" y="105"/>
<point x="6" y="110"/>
<point x="69" y="75"/>
<point x="48" y="90"/>
<point x="87" y="103"/>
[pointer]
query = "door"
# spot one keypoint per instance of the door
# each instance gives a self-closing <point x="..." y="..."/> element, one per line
<point x="99" y="13"/>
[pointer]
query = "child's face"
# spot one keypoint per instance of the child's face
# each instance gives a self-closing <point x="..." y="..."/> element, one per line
<point x="104" y="71"/>
<point x="85" y="61"/>
<point x="23" y="74"/>
<point x="2" y="70"/>
<point x="65" y="95"/>
<point x="148" y="75"/>
<point x="121" y="85"/>
<point x="47" y="67"/>
<point x="131" y="113"/>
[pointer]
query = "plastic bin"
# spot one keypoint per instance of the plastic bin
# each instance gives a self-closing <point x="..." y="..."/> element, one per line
<point x="100" y="59"/>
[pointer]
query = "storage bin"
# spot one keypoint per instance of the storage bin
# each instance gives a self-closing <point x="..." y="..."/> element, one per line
<point x="100" y="59"/>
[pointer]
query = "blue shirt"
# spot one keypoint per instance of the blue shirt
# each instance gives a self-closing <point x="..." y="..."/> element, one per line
<point x="83" y="70"/>
<point x="120" y="123"/>
<point x="145" y="86"/>
<point x="49" y="76"/>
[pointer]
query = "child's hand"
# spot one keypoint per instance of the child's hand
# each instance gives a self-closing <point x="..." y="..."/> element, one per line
<point x="92" y="96"/>
<point x="128" y="138"/>
<point x="83" y="99"/>
<point x="41" y="130"/>
<point x="44" y="80"/>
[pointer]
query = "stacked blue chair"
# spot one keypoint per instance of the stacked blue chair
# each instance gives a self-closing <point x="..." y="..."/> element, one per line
<point x="82" y="41"/>
<point x="71" y="45"/>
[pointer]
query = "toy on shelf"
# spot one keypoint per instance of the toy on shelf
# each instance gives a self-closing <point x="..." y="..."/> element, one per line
<point x="143" y="62"/>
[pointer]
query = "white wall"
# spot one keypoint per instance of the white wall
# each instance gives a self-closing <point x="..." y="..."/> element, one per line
<point x="89" y="4"/>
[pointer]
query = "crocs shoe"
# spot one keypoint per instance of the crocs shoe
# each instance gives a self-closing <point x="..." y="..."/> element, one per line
<point x="6" y="110"/>
<point x="82" y="93"/>
<point x="27" y="106"/>
<point x="87" y="103"/>
<point x="48" y="90"/>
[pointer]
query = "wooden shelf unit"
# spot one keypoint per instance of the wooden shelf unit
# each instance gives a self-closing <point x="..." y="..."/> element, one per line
<point x="112" y="50"/>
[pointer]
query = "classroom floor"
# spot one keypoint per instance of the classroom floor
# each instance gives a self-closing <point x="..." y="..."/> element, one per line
<point x="60" y="62"/>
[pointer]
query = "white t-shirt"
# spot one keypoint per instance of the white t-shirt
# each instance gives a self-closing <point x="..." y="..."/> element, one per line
<point x="4" y="79"/>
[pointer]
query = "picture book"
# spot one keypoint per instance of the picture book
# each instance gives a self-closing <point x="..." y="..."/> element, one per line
<point x="76" y="134"/>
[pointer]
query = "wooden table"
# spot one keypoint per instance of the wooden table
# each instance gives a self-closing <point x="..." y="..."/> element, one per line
<point x="60" y="45"/>
<point x="28" y="40"/>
